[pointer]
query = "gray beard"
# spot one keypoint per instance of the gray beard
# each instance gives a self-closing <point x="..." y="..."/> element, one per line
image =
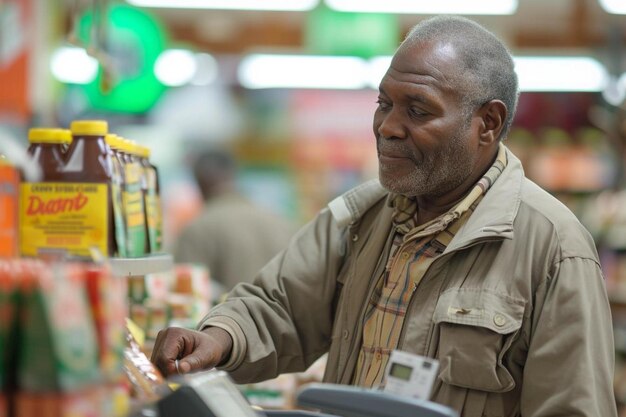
<point x="436" y="175"/>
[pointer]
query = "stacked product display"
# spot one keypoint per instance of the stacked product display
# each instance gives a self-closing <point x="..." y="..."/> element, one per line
<point x="65" y="348"/>
<point x="178" y="297"/>
<point x="98" y="192"/>
<point x="61" y="340"/>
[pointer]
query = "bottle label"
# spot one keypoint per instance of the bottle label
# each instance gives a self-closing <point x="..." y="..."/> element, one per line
<point x="118" y="211"/>
<point x="153" y="210"/>
<point x="64" y="217"/>
<point x="134" y="211"/>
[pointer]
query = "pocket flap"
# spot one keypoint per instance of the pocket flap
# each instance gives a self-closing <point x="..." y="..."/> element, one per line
<point x="490" y="309"/>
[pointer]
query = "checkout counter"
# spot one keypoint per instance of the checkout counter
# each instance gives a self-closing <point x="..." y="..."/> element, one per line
<point x="213" y="394"/>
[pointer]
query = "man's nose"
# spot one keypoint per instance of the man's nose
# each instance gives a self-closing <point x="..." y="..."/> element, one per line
<point x="392" y="126"/>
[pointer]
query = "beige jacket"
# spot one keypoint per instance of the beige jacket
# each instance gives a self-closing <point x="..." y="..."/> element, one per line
<point x="537" y="340"/>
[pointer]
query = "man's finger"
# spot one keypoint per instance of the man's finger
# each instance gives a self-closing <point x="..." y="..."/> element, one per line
<point x="169" y="346"/>
<point x="192" y="362"/>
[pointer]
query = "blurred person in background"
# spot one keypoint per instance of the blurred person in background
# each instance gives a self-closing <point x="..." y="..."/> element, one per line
<point x="232" y="236"/>
<point x="453" y="255"/>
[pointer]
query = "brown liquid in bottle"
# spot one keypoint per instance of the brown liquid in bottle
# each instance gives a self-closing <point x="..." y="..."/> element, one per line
<point x="47" y="148"/>
<point x="88" y="160"/>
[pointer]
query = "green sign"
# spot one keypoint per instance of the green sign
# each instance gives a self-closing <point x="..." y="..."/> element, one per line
<point x="330" y="32"/>
<point x="133" y="40"/>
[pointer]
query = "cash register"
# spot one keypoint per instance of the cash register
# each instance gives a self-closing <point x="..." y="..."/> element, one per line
<point x="213" y="394"/>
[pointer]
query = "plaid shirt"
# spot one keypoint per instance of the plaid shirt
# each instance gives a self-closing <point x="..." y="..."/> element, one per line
<point x="413" y="250"/>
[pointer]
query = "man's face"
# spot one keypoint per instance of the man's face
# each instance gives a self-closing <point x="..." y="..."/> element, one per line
<point x="426" y="143"/>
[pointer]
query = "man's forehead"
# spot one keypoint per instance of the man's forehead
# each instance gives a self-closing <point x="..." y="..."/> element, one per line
<point x="425" y="63"/>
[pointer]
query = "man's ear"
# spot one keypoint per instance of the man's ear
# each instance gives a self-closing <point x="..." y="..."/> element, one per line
<point x="493" y="116"/>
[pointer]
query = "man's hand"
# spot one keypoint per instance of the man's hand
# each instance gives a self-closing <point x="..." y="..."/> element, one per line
<point x="194" y="350"/>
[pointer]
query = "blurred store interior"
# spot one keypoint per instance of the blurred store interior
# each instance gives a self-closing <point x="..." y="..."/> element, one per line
<point x="180" y="75"/>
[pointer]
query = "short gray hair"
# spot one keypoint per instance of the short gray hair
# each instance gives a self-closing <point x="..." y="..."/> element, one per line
<point x="487" y="71"/>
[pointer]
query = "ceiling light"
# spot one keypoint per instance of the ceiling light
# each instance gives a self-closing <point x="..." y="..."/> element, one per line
<point x="614" y="6"/>
<point x="377" y="68"/>
<point x="549" y="73"/>
<point x="175" y="67"/>
<point x="206" y="70"/>
<point x="73" y="66"/>
<point x="277" y="5"/>
<point x="482" y="7"/>
<point x="301" y="71"/>
<point x="534" y="73"/>
<point x="560" y="74"/>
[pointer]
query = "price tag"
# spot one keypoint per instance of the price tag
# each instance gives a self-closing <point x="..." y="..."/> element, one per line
<point x="410" y="375"/>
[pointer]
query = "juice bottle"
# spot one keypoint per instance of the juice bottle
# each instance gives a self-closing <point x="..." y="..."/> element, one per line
<point x="47" y="148"/>
<point x="117" y="187"/>
<point x="133" y="202"/>
<point x="152" y="202"/>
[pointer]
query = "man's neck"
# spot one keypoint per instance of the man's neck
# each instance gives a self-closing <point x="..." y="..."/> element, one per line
<point x="429" y="209"/>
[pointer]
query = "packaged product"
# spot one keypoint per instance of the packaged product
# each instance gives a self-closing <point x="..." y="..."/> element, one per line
<point x="147" y="382"/>
<point x="191" y="294"/>
<point x="118" y="179"/>
<point x="107" y="298"/>
<point x="9" y="186"/>
<point x="133" y="202"/>
<point x="91" y="402"/>
<point x="57" y="342"/>
<point x="152" y="200"/>
<point x="8" y="300"/>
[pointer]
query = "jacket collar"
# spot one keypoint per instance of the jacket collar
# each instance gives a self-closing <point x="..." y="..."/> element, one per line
<point x="494" y="216"/>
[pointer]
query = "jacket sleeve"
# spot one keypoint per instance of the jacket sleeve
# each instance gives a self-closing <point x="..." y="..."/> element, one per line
<point x="570" y="363"/>
<point x="282" y="322"/>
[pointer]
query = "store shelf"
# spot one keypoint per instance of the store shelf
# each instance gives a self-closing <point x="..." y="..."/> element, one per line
<point x="150" y="264"/>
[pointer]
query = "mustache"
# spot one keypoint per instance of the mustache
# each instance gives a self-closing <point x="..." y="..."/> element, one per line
<point x="395" y="147"/>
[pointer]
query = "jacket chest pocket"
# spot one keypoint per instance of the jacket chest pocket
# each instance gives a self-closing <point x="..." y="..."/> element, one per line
<point x="476" y="329"/>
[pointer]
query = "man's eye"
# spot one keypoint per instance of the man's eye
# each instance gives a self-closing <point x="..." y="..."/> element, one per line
<point x="383" y="104"/>
<point x="417" y="112"/>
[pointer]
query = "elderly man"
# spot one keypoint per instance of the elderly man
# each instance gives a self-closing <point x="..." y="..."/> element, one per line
<point x="456" y="257"/>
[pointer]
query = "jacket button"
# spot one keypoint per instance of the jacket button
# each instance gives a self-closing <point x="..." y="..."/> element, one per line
<point x="346" y="333"/>
<point x="499" y="320"/>
<point x="355" y="238"/>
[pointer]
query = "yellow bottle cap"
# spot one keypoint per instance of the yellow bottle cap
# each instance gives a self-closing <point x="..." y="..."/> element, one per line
<point x="112" y="140"/>
<point x="145" y="152"/>
<point x="133" y="147"/>
<point x="124" y="145"/>
<point x="48" y="135"/>
<point x="65" y="135"/>
<point x="89" y="127"/>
